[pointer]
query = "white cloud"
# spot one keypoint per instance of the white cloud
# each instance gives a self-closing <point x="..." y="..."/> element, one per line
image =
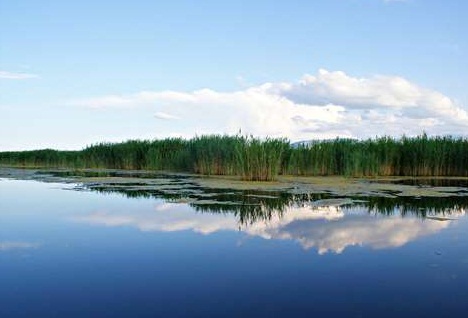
<point x="359" y="93"/>
<point x="16" y="76"/>
<point x="325" y="228"/>
<point x="113" y="101"/>
<point x="165" y="116"/>
<point x="324" y="105"/>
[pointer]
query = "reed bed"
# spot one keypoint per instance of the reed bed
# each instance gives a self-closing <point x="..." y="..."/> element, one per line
<point x="264" y="159"/>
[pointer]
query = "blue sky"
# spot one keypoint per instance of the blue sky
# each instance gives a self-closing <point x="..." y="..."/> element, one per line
<point x="74" y="73"/>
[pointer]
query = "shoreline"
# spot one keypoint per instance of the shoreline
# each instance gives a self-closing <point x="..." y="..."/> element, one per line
<point x="335" y="185"/>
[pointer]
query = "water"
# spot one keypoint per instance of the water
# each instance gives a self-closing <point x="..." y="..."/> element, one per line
<point x="69" y="253"/>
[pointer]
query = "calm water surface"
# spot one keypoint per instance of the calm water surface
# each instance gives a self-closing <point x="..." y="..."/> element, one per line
<point x="69" y="253"/>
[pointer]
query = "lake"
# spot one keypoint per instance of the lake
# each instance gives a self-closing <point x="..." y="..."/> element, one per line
<point x="74" y="250"/>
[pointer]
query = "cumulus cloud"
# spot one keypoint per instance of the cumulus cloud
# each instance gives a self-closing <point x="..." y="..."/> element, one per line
<point x="16" y="76"/>
<point x="325" y="228"/>
<point x="325" y="105"/>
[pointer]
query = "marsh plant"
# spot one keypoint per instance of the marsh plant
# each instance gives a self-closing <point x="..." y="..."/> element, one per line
<point x="264" y="159"/>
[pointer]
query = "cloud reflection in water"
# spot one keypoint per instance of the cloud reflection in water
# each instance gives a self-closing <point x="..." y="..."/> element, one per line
<point x="17" y="245"/>
<point x="326" y="228"/>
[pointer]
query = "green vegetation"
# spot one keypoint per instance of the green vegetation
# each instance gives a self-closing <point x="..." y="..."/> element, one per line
<point x="419" y="156"/>
<point x="264" y="159"/>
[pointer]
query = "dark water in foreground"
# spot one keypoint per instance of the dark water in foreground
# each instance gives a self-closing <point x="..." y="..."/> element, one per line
<point x="67" y="253"/>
